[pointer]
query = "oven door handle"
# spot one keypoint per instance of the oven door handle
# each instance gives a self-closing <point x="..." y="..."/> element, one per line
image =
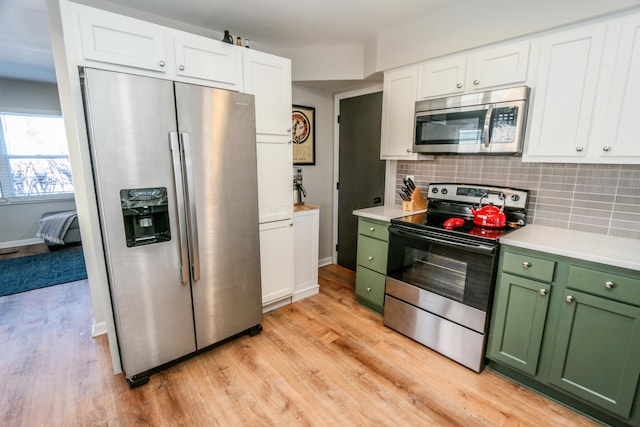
<point x="477" y="248"/>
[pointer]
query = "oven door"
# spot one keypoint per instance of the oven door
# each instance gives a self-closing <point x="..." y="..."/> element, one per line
<point x="456" y="268"/>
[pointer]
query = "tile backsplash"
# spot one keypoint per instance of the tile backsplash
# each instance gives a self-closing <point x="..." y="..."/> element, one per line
<point x="590" y="197"/>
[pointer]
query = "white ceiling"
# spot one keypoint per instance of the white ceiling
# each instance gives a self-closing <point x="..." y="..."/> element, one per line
<point x="25" y="49"/>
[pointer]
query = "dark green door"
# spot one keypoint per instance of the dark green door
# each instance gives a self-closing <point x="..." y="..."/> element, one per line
<point x="519" y="314"/>
<point x="596" y="351"/>
<point x="361" y="172"/>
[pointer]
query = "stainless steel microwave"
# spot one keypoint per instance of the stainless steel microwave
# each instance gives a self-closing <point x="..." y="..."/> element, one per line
<point x="479" y="123"/>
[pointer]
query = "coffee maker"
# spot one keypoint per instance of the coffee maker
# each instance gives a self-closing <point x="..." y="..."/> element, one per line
<point x="298" y="190"/>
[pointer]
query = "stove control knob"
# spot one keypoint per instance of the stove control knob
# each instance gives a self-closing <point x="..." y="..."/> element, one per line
<point x="444" y="191"/>
<point x="434" y="190"/>
<point x="515" y="197"/>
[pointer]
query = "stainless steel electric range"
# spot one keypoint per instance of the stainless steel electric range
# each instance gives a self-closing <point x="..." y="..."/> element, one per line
<point x="442" y="264"/>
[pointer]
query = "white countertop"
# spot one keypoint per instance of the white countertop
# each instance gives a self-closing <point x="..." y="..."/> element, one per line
<point x="385" y="213"/>
<point x="611" y="250"/>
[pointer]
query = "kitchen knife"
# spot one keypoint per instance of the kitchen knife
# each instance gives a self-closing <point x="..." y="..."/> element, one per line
<point x="403" y="196"/>
<point x="406" y="191"/>
<point x="412" y="185"/>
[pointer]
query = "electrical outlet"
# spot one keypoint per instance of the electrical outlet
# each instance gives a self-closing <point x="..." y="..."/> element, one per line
<point x="411" y="177"/>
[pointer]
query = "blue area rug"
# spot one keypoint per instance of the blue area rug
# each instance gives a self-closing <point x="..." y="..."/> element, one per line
<point x="42" y="270"/>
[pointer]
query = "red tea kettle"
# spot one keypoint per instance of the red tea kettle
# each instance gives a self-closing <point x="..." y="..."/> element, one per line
<point x="490" y="216"/>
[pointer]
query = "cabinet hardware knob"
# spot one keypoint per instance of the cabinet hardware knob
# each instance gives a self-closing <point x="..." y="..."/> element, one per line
<point x="579" y="148"/>
<point x="289" y="142"/>
<point x="290" y="224"/>
<point x="543" y="292"/>
<point x="459" y="85"/>
<point x="368" y="289"/>
<point x="609" y="284"/>
<point x="372" y="229"/>
<point x="288" y="129"/>
<point x="569" y="299"/>
<point x="370" y="258"/>
<point x="476" y="82"/>
<point x="606" y="148"/>
<point x="408" y="150"/>
<point x="526" y="264"/>
<point x="181" y="67"/>
<point x="162" y="63"/>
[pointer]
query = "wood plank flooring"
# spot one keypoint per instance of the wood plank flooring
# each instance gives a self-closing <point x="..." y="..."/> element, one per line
<point x="322" y="361"/>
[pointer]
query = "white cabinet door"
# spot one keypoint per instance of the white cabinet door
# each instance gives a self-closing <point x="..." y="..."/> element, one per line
<point x="564" y="93"/>
<point x="115" y="39"/>
<point x="442" y="77"/>
<point x="398" y="110"/>
<point x="502" y="65"/>
<point x="620" y="141"/>
<point x="275" y="181"/>
<point x="306" y="225"/>
<point x="276" y="259"/>
<point x="217" y="63"/>
<point x="268" y="77"/>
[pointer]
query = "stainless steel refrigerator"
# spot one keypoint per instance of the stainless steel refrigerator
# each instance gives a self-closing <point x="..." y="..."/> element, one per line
<point x="176" y="183"/>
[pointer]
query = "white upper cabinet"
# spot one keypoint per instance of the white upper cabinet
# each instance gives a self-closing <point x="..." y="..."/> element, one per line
<point x="115" y="39"/>
<point x="564" y="92"/>
<point x="398" y="107"/>
<point x="505" y="65"/>
<point x="619" y="141"/>
<point x="206" y="59"/>
<point x="120" y="43"/>
<point x="442" y="77"/>
<point x="268" y="77"/>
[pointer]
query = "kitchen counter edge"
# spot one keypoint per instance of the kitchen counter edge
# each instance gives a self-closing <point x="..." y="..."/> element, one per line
<point x="384" y="213"/>
<point x="611" y="250"/>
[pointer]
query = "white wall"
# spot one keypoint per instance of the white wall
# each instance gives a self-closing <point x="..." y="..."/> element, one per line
<point x="318" y="179"/>
<point x="20" y="220"/>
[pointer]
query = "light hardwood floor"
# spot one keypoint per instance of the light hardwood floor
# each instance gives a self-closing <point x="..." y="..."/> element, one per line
<point x="322" y="361"/>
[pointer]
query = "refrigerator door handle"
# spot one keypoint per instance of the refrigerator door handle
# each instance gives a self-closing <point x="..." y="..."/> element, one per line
<point x="192" y="224"/>
<point x="182" y="216"/>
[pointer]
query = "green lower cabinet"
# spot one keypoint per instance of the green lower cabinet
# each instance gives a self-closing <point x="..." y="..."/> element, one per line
<point x="520" y="311"/>
<point x="371" y="260"/>
<point x="596" y="352"/>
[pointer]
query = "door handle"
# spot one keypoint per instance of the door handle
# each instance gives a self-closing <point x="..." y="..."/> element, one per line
<point x="192" y="225"/>
<point x="182" y="218"/>
<point x="377" y="200"/>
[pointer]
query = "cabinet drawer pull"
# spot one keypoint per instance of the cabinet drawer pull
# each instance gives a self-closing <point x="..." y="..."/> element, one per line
<point x="370" y="258"/>
<point x="476" y="82"/>
<point x="372" y="229"/>
<point x="569" y="299"/>
<point x="368" y="289"/>
<point x="526" y="265"/>
<point x="606" y="148"/>
<point x="162" y="63"/>
<point x="609" y="284"/>
<point x="181" y="67"/>
<point x="459" y="85"/>
<point x="543" y="292"/>
<point x="579" y="148"/>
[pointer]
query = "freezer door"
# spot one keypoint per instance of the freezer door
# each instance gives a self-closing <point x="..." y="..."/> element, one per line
<point x="217" y="130"/>
<point x="129" y="123"/>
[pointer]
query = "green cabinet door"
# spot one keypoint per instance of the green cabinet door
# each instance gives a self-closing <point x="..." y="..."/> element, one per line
<point x="519" y="313"/>
<point x="596" y="351"/>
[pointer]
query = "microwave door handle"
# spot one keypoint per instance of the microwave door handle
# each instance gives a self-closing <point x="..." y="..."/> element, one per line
<point x="487" y="125"/>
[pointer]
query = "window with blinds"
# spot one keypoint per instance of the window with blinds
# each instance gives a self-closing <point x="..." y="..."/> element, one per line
<point x="34" y="157"/>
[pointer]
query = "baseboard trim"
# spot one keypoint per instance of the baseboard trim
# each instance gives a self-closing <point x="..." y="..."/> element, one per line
<point x="25" y="242"/>
<point x="325" y="261"/>
<point x="277" y="304"/>
<point x="98" y="329"/>
<point x="305" y="293"/>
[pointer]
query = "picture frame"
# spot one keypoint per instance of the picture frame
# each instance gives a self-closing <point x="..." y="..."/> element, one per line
<point x="303" y="134"/>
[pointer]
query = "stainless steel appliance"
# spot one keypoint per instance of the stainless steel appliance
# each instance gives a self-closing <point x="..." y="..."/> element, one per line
<point x="441" y="269"/>
<point x="478" y="123"/>
<point x="298" y="190"/>
<point x="176" y="184"/>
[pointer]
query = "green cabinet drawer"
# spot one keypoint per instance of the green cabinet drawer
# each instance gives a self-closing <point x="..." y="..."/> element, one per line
<point x="528" y="266"/>
<point x="372" y="254"/>
<point x="370" y="286"/>
<point x="609" y="285"/>
<point x="373" y="228"/>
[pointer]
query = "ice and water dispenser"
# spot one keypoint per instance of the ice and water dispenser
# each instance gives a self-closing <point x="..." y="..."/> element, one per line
<point x="146" y="215"/>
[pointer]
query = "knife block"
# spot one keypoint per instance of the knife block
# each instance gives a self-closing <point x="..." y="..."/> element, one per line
<point x="416" y="203"/>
